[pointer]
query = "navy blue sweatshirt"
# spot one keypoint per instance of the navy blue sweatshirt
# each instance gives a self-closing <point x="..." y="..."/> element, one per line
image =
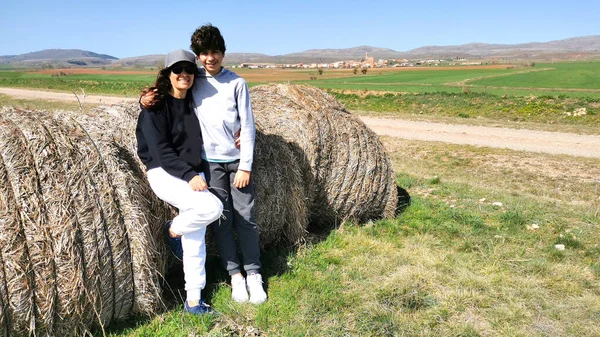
<point x="170" y="137"/>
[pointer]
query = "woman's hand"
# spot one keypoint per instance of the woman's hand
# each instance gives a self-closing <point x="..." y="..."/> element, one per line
<point x="198" y="184"/>
<point x="242" y="179"/>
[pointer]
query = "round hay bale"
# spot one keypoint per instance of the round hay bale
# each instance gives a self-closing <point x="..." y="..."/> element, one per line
<point x="73" y="147"/>
<point x="118" y="295"/>
<point x="80" y="238"/>
<point x="281" y="208"/>
<point x="62" y="291"/>
<point x="347" y="171"/>
<point x="143" y="214"/>
<point x="18" y="282"/>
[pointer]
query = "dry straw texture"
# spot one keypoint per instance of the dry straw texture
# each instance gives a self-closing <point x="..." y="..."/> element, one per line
<point x="346" y="172"/>
<point x="81" y="232"/>
<point x="281" y="208"/>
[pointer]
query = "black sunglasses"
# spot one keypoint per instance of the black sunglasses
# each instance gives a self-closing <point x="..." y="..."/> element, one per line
<point x="189" y="69"/>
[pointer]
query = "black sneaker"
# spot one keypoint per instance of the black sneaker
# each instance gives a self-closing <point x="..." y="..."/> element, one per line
<point x="174" y="243"/>
<point x="200" y="309"/>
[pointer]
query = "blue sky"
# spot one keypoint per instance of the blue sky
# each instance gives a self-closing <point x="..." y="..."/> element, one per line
<point x="135" y="28"/>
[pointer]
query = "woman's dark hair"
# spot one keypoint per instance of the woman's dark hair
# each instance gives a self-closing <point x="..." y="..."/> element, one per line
<point x="207" y="37"/>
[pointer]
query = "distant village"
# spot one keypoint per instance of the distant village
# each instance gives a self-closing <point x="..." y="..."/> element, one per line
<point x="366" y="62"/>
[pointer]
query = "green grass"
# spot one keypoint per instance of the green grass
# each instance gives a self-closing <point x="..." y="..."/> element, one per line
<point x="547" y="109"/>
<point x="423" y="77"/>
<point x="546" y="94"/>
<point x="462" y="260"/>
<point x="112" y="84"/>
<point x="569" y="79"/>
<point x="574" y="75"/>
<point x="432" y="271"/>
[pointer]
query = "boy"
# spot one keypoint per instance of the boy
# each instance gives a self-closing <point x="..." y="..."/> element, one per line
<point x="222" y="104"/>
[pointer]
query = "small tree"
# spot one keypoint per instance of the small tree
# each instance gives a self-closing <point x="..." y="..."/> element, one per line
<point x="364" y="71"/>
<point x="355" y="70"/>
<point x="320" y="71"/>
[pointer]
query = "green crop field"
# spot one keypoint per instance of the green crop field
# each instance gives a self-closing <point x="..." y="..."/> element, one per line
<point x="584" y="75"/>
<point x="572" y="79"/>
<point x="576" y="79"/>
<point x="427" y="76"/>
<point x="112" y="84"/>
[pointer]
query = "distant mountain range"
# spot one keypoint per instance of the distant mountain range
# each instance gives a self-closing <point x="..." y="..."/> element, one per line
<point x="73" y="57"/>
<point x="582" y="48"/>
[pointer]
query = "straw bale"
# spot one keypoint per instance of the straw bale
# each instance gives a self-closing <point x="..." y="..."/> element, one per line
<point x="75" y="247"/>
<point x="93" y="162"/>
<point x="3" y="291"/>
<point x="281" y="209"/>
<point x="17" y="282"/>
<point x="62" y="234"/>
<point x="89" y="216"/>
<point x="38" y="285"/>
<point x="348" y="168"/>
<point x="143" y="220"/>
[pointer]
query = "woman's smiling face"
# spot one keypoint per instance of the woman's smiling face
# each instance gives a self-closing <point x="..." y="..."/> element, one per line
<point x="182" y="75"/>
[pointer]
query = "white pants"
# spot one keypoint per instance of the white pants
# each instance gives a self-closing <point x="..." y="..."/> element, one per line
<point x="197" y="209"/>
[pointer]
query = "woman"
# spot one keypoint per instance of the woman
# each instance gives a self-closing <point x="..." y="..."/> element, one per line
<point x="170" y="145"/>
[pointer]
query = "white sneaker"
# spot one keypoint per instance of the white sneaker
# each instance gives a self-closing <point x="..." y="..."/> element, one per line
<point x="255" y="288"/>
<point x="238" y="289"/>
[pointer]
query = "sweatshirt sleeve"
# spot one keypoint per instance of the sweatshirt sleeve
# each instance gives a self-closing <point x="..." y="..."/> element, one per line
<point x="248" y="129"/>
<point x="156" y="130"/>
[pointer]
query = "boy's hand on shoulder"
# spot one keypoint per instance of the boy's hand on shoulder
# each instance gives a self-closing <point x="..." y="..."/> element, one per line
<point x="242" y="179"/>
<point x="198" y="184"/>
<point x="147" y="98"/>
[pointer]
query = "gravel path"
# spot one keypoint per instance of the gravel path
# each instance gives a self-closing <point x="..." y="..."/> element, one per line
<point x="524" y="140"/>
<point x="515" y="139"/>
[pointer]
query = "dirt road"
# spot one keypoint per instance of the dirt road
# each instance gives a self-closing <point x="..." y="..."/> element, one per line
<point x="515" y="139"/>
<point x="62" y="96"/>
<point x="524" y="140"/>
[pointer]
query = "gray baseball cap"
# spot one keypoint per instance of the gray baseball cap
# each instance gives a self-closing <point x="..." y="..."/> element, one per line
<point x="178" y="56"/>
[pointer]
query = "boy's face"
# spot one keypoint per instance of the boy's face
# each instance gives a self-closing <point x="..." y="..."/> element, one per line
<point x="211" y="60"/>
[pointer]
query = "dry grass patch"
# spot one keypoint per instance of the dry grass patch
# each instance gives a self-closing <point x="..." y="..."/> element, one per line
<point x="553" y="178"/>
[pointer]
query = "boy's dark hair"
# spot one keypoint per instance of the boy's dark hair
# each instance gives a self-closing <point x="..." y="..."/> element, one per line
<point x="207" y="37"/>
